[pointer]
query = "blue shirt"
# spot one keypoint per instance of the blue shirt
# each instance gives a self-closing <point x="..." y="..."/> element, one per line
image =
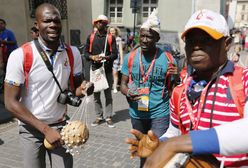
<point x="8" y="35"/>
<point x="158" y="104"/>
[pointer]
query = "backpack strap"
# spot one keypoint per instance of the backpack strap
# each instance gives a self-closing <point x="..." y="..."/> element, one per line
<point x="177" y="94"/>
<point x="71" y="61"/>
<point x="109" y="36"/>
<point x="92" y="35"/>
<point x="237" y="89"/>
<point x="130" y="64"/>
<point x="167" y="79"/>
<point x="28" y="60"/>
<point x="110" y="39"/>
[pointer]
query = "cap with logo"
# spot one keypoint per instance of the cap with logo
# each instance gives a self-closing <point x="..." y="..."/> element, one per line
<point x="101" y="18"/>
<point x="209" y="21"/>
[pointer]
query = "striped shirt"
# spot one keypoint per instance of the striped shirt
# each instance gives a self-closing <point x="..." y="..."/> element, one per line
<point x="224" y="110"/>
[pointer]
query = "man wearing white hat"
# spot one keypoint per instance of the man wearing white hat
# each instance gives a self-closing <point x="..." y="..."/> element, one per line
<point x="144" y="81"/>
<point x="207" y="98"/>
<point x="101" y="47"/>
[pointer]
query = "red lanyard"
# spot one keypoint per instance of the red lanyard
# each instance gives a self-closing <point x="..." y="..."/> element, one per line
<point x="195" y="120"/>
<point x="143" y="75"/>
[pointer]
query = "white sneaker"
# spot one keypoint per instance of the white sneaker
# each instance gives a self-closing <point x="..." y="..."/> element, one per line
<point x="115" y="91"/>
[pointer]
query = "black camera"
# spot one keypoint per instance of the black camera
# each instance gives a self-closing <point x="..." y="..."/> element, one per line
<point x="67" y="97"/>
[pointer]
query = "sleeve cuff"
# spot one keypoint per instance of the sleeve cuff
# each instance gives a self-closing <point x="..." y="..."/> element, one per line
<point x="162" y="139"/>
<point x="205" y="142"/>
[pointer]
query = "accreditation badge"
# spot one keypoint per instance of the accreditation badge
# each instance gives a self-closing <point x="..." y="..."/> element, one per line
<point x="143" y="102"/>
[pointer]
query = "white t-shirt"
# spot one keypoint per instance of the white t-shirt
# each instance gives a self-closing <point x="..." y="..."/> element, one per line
<point x="41" y="95"/>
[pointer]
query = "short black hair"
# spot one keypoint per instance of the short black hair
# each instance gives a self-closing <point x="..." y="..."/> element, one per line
<point x="3" y="21"/>
<point x="34" y="29"/>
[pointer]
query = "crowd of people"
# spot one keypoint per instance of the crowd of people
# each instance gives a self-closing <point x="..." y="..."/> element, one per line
<point x="171" y="112"/>
<point x="205" y="99"/>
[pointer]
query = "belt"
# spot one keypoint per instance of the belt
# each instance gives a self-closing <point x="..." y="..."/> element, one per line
<point x="57" y="124"/>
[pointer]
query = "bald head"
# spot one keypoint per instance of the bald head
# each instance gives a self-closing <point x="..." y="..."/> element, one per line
<point x="48" y="22"/>
<point x="41" y="8"/>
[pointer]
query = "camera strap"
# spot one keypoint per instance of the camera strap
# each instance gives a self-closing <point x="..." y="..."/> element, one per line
<point x="47" y="62"/>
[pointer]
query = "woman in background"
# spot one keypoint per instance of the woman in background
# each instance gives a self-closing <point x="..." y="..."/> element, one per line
<point x="114" y="31"/>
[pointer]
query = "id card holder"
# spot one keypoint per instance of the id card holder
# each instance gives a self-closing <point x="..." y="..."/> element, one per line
<point x="143" y="102"/>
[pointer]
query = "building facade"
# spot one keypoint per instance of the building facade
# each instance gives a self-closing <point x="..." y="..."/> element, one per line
<point x="241" y="19"/>
<point x="77" y="16"/>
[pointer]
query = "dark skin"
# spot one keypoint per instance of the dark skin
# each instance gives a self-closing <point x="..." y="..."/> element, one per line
<point x="49" y="25"/>
<point x="149" y="146"/>
<point x="34" y="34"/>
<point x="101" y="26"/>
<point x="205" y="55"/>
<point x="147" y="39"/>
<point x="2" y="28"/>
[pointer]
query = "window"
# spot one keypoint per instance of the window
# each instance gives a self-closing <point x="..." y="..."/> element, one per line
<point x="116" y="11"/>
<point x="147" y="8"/>
<point x="243" y="7"/>
<point x="242" y="17"/>
<point x="60" y="4"/>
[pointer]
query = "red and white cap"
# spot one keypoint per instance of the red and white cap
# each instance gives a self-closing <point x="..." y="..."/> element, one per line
<point x="211" y="22"/>
<point x="102" y="18"/>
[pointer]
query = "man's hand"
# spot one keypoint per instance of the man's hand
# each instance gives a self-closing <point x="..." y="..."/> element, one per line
<point x="86" y="88"/>
<point x="52" y="136"/>
<point x="96" y="58"/>
<point x="166" y="150"/>
<point x="143" y="145"/>
<point x="133" y="95"/>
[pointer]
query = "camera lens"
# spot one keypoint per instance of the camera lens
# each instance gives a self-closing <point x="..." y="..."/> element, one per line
<point x="75" y="101"/>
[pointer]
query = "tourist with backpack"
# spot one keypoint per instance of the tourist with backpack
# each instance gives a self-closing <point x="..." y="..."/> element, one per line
<point x="214" y="93"/>
<point x="146" y="81"/>
<point x="101" y="51"/>
<point x="42" y="77"/>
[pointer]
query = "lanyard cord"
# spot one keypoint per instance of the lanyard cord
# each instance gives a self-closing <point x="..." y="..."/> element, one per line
<point x="143" y="75"/>
<point x="214" y="98"/>
<point x="150" y="69"/>
<point x="217" y="76"/>
<point x="47" y="62"/>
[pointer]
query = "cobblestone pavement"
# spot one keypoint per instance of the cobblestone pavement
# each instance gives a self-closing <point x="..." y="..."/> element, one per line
<point x="104" y="149"/>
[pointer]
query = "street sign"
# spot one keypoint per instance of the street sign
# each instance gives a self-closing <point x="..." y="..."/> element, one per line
<point x="135" y="5"/>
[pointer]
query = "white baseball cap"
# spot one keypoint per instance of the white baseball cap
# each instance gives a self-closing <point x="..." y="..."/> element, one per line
<point x="152" y="22"/>
<point x="211" y="22"/>
<point x="101" y="17"/>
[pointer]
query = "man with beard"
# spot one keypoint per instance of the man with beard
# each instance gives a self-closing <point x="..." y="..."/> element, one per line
<point x="144" y="81"/>
<point x="32" y="97"/>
